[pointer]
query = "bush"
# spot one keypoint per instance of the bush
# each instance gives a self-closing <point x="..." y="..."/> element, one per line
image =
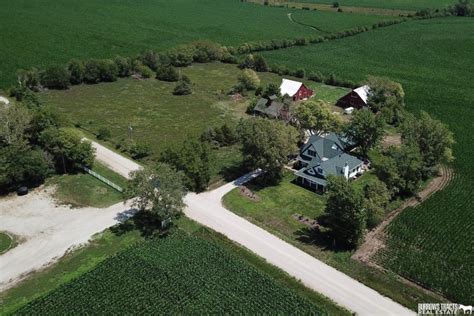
<point x="103" y="134"/>
<point x="91" y="71"/>
<point x="136" y="150"/>
<point x="248" y="62"/>
<point x="181" y="56"/>
<point x="249" y="80"/>
<point x="108" y="70"/>
<point x="206" y="51"/>
<point x="150" y="59"/>
<point x="76" y="69"/>
<point x="29" y="78"/>
<point x="144" y="71"/>
<point x="183" y="87"/>
<point x="55" y="77"/>
<point x="167" y="73"/>
<point x="124" y="67"/>
<point x="316" y="76"/>
<point x="299" y="73"/>
<point x="335" y="4"/>
<point x="260" y="64"/>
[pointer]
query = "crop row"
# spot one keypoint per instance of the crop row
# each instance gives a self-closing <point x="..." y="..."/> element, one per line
<point x="175" y="275"/>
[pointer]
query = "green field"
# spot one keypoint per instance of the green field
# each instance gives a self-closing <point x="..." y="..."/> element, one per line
<point x="82" y="189"/>
<point x="42" y="33"/>
<point x="179" y="274"/>
<point x="410" y="5"/>
<point x="433" y="61"/>
<point x="5" y="242"/>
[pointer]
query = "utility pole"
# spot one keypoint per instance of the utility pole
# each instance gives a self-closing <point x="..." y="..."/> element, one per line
<point x="130" y="131"/>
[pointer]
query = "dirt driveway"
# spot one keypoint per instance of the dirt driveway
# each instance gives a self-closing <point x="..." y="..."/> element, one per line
<point x="47" y="231"/>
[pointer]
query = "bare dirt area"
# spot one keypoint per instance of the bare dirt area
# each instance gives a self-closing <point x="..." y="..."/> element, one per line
<point x="374" y="240"/>
<point x="392" y="140"/>
<point x="47" y="230"/>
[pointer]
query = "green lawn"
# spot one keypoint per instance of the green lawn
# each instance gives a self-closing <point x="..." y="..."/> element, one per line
<point x="6" y="242"/>
<point x="82" y="189"/>
<point x="432" y="59"/>
<point x="80" y="265"/>
<point x="54" y="31"/>
<point x="274" y="211"/>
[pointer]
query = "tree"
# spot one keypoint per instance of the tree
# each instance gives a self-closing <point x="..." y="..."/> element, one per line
<point x="206" y="51"/>
<point x="376" y="200"/>
<point x="67" y="147"/>
<point x="108" y="70"/>
<point x="91" y="71"/>
<point x="42" y="119"/>
<point x="400" y="169"/>
<point x="260" y="64"/>
<point x="150" y="59"/>
<point x="432" y="137"/>
<point x="104" y="133"/>
<point x="387" y="96"/>
<point x="159" y="190"/>
<point x="193" y="158"/>
<point x="56" y="77"/>
<point x="271" y="89"/>
<point x="365" y="130"/>
<point x="124" y="66"/>
<point x="317" y="117"/>
<point x="76" y="68"/>
<point x="248" y="79"/>
<point x="14" y="121"/>
<point x="29" y="79"/>
<point x="267" y="144"/>
<point x="21" y="165"/>
<point x="462" y="8"/>
<point x="183" y="87"/>
<point x="167" y="73"/>
<point x="345" y="209"/>
<point x="248" y="62"/>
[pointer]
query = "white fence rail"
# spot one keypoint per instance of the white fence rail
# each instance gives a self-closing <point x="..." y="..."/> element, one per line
<point x="101" y="178"/>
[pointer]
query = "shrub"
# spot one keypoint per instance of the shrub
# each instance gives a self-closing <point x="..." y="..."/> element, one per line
<point x="91" y="71"/>
<point x="260" y="64"/>
<point x="335" y="4"/>
<point x="299" y="73"/>
<point x="316" y="76"/>
<point x="103" y="134"/>
<point x="181" y="56"/>
<point x="183" y="87"/>
<point x="29" y="78"/>
<point x="55" y="77"/>
<point x="124" y="67"/>
<point x="206" y="51"/>
<point x="150" y="59"/>
<point x="76" y="69"/>
<point x="248" y="62"/>
<point x="249" y="80"/>
<point x="144" y="71"/>
<point x="108" y="70"/>
<point x="167" y="73"/>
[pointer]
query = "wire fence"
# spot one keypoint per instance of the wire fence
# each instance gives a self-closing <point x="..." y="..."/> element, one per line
<point x="101" y="178"/>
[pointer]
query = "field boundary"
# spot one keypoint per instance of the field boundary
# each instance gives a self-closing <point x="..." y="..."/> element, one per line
<point x="375" y="239"/>
<point x="292" y="19"/>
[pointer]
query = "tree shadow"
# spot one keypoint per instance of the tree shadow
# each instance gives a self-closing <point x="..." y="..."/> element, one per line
<point x="147" y="223"/>
<point x="230" y="173"/>
<point x="320" y="237"/>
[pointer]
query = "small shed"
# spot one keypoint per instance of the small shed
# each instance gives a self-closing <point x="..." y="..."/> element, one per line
<point x="295" y="90"/>
<point x="357" y="98"/>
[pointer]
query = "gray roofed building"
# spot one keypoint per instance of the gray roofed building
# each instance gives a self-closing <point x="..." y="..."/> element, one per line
<point x="272" y="107"/>
<point x="323" y="156"/>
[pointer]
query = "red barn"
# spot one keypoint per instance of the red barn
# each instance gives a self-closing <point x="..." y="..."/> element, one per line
<point x="295" y="90"/>
<point x="357" y="98"/>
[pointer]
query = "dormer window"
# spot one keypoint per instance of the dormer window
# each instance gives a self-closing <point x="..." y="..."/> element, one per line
<point x="320" y="170"/>
<point x="312" y="153"/>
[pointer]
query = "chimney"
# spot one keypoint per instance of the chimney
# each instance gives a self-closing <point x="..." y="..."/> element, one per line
<point x="346" y="170"/>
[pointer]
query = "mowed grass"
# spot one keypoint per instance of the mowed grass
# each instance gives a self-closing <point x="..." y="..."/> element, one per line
<point x="432" y="59"/>
<point x="5" y="242"/>
<point x="42" y="33"/>
<point x="82" y="189"/>
<point x="178" y="274"/>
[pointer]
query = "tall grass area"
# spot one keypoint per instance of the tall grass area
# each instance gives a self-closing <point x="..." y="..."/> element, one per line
<point x="431" y="244"/>
<point x="42" y="33"/>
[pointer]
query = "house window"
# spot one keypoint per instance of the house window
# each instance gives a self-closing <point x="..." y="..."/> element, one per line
<point x="311" y="153"/>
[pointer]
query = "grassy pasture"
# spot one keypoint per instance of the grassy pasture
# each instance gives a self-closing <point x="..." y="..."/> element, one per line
<point x="179" y="274"/>
<point x="159" y="118"/>
<point x="42" y="33"/>
<point x="431" y="244"/>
